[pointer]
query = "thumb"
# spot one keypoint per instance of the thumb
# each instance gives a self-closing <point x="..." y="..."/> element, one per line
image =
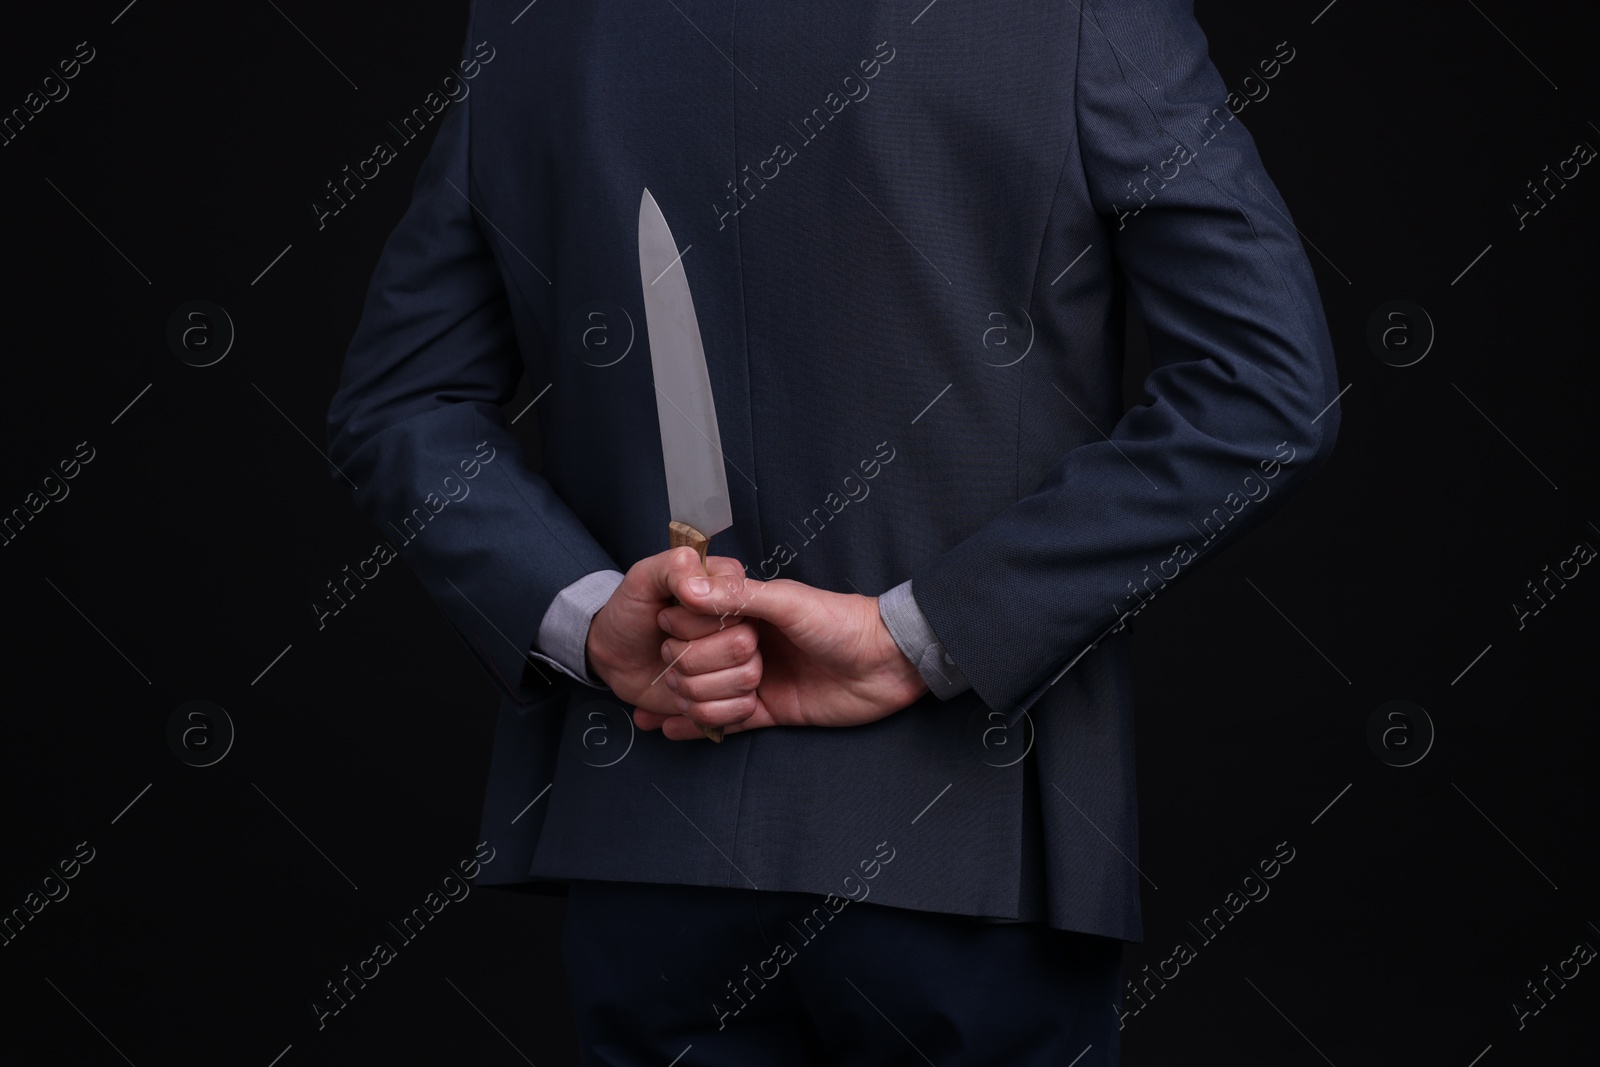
<point x="652" y="580"/>
<point x="782" y="601"/>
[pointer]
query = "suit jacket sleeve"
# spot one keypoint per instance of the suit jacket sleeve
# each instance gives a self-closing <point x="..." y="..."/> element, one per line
<point x="416" y="425"/>
<point x="1243" y="368"/>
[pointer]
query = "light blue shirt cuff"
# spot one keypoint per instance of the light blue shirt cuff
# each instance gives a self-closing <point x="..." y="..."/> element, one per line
<point x="564" y="631"/>
<point x="911" y="631"/>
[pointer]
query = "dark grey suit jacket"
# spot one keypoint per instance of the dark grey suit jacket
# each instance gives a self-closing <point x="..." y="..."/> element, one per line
<point x="910" y="237"/>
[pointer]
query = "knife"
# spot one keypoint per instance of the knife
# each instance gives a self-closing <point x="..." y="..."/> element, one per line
<point x="697" y="484"/>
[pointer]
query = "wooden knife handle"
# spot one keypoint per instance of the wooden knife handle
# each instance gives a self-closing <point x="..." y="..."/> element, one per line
<point x="678" y="535"/>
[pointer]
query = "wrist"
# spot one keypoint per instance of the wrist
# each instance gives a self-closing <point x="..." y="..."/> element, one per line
<point x="895" y="659"/>
<point x="589" y="660"/>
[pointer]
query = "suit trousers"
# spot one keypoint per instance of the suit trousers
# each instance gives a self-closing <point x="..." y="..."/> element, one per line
<point x="725" y="977"/>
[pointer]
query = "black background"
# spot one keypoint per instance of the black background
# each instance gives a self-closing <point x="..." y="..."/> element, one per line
<point x="184" y="160"/>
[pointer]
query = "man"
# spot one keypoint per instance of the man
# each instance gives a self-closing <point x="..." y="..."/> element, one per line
<point x="911" y="238"/>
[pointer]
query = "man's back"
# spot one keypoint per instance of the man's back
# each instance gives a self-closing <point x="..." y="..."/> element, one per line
<point x="910" y="237"/>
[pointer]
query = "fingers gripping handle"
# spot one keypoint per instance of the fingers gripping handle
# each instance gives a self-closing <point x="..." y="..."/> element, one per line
<point x="678" y="535"/>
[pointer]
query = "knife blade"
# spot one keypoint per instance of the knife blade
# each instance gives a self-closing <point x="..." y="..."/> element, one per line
<point x="691" y="447"/>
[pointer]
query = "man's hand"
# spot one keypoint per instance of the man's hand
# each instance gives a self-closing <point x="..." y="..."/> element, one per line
<point x="717" y="663"/>
<point x="826" y="658"/>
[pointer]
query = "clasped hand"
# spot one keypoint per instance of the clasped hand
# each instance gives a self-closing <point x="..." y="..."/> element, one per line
<point x="742" y="654"/>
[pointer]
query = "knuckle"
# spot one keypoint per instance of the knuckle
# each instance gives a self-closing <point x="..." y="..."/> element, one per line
<point x="743" y="642"/>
